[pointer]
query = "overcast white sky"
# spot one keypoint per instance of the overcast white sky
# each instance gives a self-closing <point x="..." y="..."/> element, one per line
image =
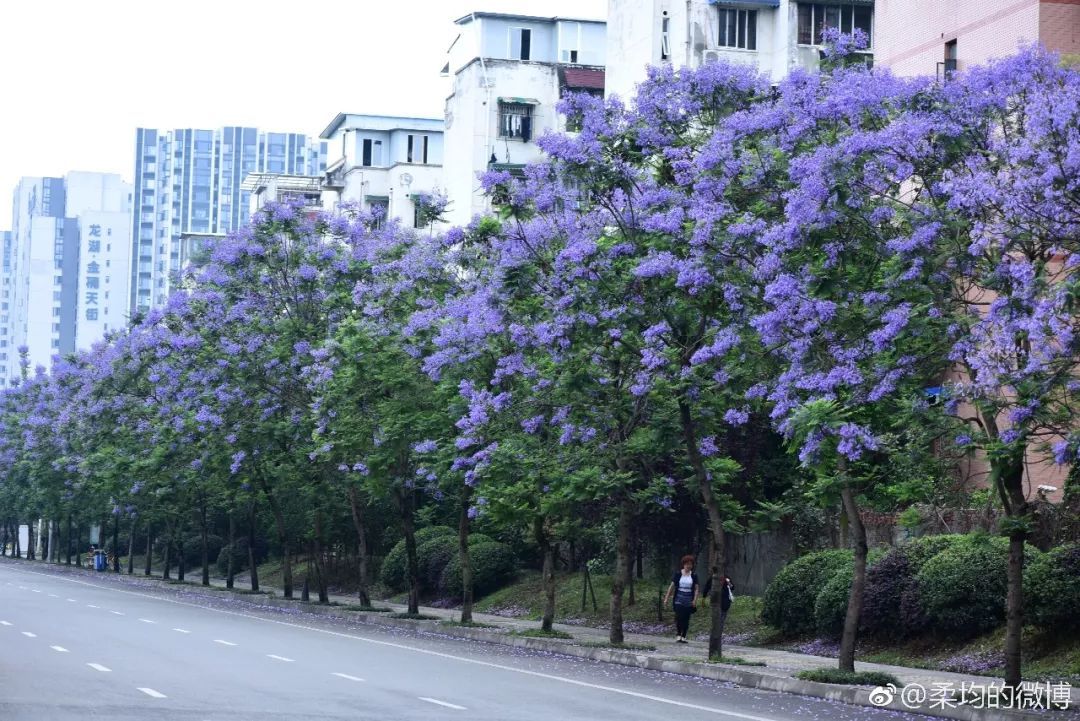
<point x="78" y="76"/>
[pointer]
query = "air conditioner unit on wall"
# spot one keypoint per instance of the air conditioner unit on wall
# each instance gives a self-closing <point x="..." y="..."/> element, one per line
<point x="711" y="56"/>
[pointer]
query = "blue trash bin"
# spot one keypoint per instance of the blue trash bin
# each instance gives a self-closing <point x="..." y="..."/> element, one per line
<point x="100" y="560"/>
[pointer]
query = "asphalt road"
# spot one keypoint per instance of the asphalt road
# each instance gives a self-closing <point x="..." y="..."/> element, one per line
<point x="75" y="647"/>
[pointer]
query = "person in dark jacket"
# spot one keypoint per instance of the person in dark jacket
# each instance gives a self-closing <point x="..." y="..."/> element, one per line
<point x="686" y="590"/>
<point x="727" y="596"/>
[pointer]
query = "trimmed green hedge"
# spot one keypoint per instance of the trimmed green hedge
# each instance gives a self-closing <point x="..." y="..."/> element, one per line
<point x="1052" y="589"/>
<point x="493" y="566"/>
<point x="962" y="589"/>
<point x="395" y="569"/>
<point x="891" y="607"/>
<point x="790" y="598"/>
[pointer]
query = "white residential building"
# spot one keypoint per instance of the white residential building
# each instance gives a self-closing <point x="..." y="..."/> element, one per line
<point x="380" y="162"/>
<point x="774" y="35"/>
<point x="67" y="272"/>
<point x="508" y="74"/>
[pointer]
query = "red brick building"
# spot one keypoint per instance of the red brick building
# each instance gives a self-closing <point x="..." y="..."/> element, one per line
<point x="924" y="37"/>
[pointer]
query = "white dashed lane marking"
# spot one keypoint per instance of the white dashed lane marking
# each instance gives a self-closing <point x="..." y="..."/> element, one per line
<point x="53" y="595"/>
<point x="346" y="676"/>
<point x="90" y="605"/>
<point x="181" y="630"/>
<point x="72" y="600"/>
<point x="224" y="643"/>
<point x="441" y="703"/>
<point x="29" y="635"/>
<point x="147" y="620"/>
<point x="61" y="649"/>
<point x="279" y="658"/>
<point x="99" y="667"/>
<point x="152" y="693"/>
<point x="118" y="613"/>
<point x="5" y="623"/>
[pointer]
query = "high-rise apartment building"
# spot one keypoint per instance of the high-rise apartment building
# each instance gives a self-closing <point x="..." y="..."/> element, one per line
<point x="924" y="37"/>
<point x="772" y="35"/>
<point x="189" y="181"/>
<point x="66" y="267"/>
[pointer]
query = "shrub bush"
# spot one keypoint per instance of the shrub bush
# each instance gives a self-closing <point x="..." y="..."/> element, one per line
<point x="830" y="606"/>
<point x="891" y="606"/>
<point x="432" y="556"/>
<point x="395" y="569"/>
<point x="1052" y="589"/>
<point x="831" y="603"/>
<point x="962" y="589"/>
<point x="790" y="598"/>
<point x="240" y="556"/>
<point x="493" y="566"/>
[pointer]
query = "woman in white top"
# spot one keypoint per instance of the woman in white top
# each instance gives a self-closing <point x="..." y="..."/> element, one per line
<point x="685" y="587"/>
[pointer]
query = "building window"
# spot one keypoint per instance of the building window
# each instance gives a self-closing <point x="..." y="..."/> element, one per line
<point x="738" y="29"/>
<point x="520" y="43"/>
<point x="665" y="39"/>
<point x="814" y="18"/>
<point x="416" y="149"/>
<point x="515" y="120"/>
<point x="947" y="68"/>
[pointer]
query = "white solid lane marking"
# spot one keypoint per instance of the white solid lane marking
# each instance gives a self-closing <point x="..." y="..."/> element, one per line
<point x="181" y="630"/>
<point x="99" y="667"/>
<point x="224" y="643"/>
<point x="147" y="620"/>
<point x="425" y="651"/>
<point x="61" y="649"/>
<point x="346" y="676"/>
<point x="279" y="658"/>
<point x="152" y="693"/>
<point x="441" y="703"/>
<point x="29" y="635"/>
<point x="118" y="613"/>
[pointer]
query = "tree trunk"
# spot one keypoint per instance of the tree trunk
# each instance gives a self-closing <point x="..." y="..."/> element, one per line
<point x="181" y="566"/>
<point x="131" y="549"/>
<point x="30" y="540"/>
<point x="168" y="552"/>
<point x="116" y="543"/>
<point x="205" y="544"/>
<point x="361" y="550"/>
<point x="622" y="568"/>
<point x="858" y="583"/>
<point x="283" y="538"/>
<point x="640" y="553"/>
<point x="631" y="557"/>
<point x="716" y="531"/>
<point x="149" y="549"/>
<point x="148" y="569"/>
<point x="1009" y="475"/>
<point x="3" y="539"/>
<point x="320" y="562"/>
<point x="232" y="551"/>
<point x="251" y="547"/>
<point x="463" y="553"/>
<point x="547" y="550"/>
<point x="404" y="504"/>
<point x="78" y="542"/>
